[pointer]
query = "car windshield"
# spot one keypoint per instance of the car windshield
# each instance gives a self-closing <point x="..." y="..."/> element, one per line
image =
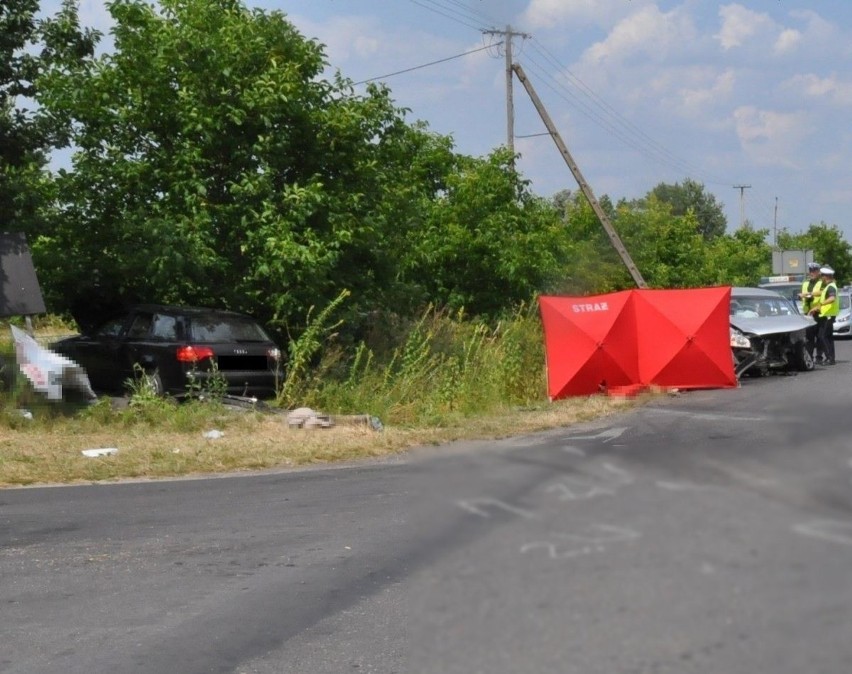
<point x="226" y="329"/>
<point x="756" y="306"/>
<point x="845" y="301"/>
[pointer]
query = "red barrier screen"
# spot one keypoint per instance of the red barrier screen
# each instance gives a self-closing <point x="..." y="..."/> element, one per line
<point x="626" y="341"/>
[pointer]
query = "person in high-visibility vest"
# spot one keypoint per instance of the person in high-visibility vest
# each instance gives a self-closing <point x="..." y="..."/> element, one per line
<point x="824" y="312"/>
<point x="811" y="291"/>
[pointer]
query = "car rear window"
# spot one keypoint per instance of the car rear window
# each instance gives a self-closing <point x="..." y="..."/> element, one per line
<point x="760" y="306"/>
<point x="789" y="290"/>
<point x="226" y="329"/>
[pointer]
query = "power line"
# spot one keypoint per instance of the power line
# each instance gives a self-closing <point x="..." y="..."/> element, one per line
<point x="617" y="119"/>
<point x="560" y="90"/>
<point x="594" y="107"/>
<point x="424" y="5"/>
<point x="459" y="9"/>
<point x="424" y="65"/>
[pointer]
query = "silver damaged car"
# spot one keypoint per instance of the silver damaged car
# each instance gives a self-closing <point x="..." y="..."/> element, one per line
<point x="767" y="333"/>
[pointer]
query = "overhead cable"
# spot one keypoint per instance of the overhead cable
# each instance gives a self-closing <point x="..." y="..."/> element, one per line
<point x="425" y="65"/>
<point x="426" y="5"/>
<point x="646" y="142"/>
<point x="447" y="8"/>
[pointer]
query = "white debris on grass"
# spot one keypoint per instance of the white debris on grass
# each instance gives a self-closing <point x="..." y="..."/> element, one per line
<point x="101" y="451"/>
<point x="305" y="417"/>
<point x="214" y="434"/>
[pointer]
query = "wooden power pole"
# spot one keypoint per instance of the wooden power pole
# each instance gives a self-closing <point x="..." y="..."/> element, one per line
<point x="742" y="189"/>
<point x="508" y="34"/>
<point x="581" y="181"/>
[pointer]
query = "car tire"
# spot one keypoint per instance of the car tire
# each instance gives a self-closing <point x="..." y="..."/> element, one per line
<point x="156" y="383"/>
<point x="803" y="361"/>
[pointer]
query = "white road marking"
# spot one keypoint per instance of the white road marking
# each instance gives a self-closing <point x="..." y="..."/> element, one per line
<point x="578" y="490"/>
<point x="577" y="544"/>
<point x="607" y="435"/>
<point x="683" y="486"/>
<point x="622" y="476"/>
<point x="581" y="489"/>
<point x="827" y="530"/>
<point x="473" y="506"/>
<point x="702" y="415"/>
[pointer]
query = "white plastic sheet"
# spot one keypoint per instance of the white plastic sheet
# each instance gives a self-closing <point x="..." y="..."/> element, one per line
<point x="48" y="371"/>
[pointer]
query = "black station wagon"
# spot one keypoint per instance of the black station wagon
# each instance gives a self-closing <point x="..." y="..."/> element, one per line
<point x="180" y="349"/>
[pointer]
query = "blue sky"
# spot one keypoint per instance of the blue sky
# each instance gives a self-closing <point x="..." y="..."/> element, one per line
<point x="755" y="92"/>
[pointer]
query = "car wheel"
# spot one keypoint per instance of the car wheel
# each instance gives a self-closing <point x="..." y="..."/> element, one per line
<point x="156" y="383"/>
<point x="802" y="359"/>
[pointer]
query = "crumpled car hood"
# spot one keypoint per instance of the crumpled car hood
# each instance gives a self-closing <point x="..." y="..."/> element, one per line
<point x="771" y="325"/>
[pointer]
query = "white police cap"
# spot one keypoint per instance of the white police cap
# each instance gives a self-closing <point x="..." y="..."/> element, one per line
<point x="828" y="271"/>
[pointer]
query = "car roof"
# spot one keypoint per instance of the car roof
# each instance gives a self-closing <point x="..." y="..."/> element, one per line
<point x="188" y="310"/>
<point x="743" y="291"/>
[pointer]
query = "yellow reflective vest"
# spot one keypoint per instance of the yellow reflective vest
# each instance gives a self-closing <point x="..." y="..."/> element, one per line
<point x="829" y="308"/>
<point x="815" y="293"/>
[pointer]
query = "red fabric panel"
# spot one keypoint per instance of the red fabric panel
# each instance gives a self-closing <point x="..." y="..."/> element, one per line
<point x="684" y="338"/>
<point x="626" y="341"/>
<point x="590" y="343"/>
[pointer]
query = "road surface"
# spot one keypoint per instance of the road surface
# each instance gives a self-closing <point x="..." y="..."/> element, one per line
<point x="708" y="532"/>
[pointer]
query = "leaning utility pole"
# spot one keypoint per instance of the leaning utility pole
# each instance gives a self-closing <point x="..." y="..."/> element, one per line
<point x="581" y="181"/>
<point x="508" y="34"/>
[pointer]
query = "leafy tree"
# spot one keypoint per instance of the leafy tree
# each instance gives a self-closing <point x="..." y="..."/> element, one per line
<point x="668" y="249"/>
<point x="487" y="244"/>
<point x="691" y="196"/>
<point x="562" y="199"/>
<point x="595" y="265"/>
<point x="828" y="245"/>
<point x="739" y="259"/>
<point x="215" y="165"/>
<point x="28" y="46"/>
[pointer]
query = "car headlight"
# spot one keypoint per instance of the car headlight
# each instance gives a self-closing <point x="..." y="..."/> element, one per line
<point x="739" y="340"/>
<point x="842" y="319"/>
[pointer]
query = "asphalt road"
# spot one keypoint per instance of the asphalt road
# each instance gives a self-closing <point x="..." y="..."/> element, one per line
<point x="709" y="532"/>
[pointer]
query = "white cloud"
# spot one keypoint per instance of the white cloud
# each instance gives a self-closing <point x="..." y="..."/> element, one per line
<point x="548" y="13"/>
<point x="739" y="25"/>
<point x="771" y="138"/>
<point x="699" y="99"/>
<point x="816" y="25"/>
<point x="344" y="37"/>
<point x="830" y="88"/>
<point x="648" y="32"/>
<point x="787" y="41"/>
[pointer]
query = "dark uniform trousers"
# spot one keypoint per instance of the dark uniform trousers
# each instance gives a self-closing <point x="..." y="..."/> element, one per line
<point x="825" y="338"/>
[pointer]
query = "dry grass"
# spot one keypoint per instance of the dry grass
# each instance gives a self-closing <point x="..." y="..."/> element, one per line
<point x="52" y="454"/>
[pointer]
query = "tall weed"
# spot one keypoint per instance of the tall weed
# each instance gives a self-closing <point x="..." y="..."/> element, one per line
<point x="299" y="377"/>
<point x="444" y="367"/>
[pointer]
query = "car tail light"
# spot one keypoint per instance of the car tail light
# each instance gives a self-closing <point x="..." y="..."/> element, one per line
<point x="192" y="354"/>
<point x="273" y="354"/>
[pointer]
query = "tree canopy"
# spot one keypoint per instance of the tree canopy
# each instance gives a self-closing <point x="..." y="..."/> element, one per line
<point x="216" y="162"/>
<point x="690" y="196"/>
<point x="29" y="46"/>
<point x="828" y="244"/>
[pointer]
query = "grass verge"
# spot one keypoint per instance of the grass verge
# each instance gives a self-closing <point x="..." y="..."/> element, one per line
<point x="46" y="453"/>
